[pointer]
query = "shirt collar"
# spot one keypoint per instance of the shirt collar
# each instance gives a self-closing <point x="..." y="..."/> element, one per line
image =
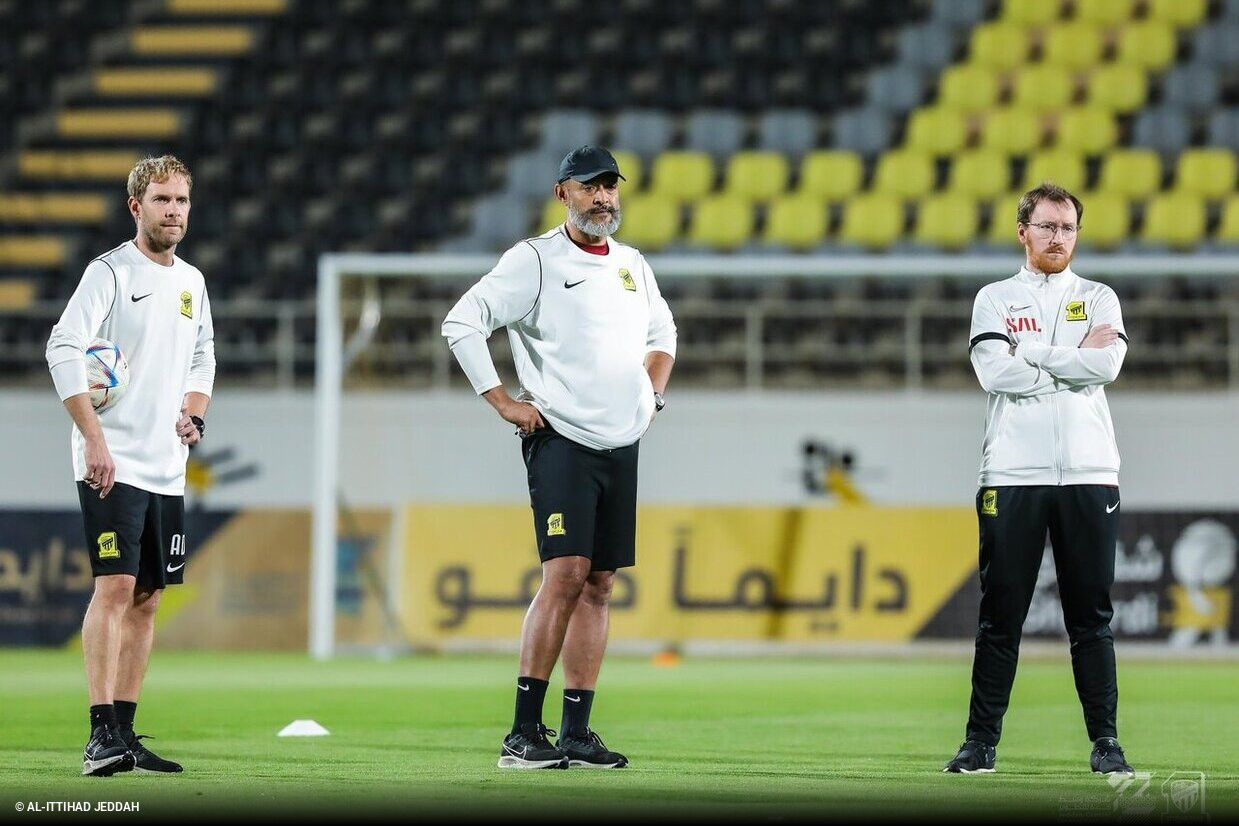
<point x="1036" y="279"/>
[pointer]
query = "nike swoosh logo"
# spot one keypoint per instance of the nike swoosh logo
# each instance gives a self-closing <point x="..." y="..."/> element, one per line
<point x="522" y="687"/>
<point x="568" y="286"/>
<point x="136" y="298"/>
<point x="512" y="751"/>
<point x="572" y="699"/>
<point x="172" y="570"/>
<point x="1017" y="309"/>
<point x="1112" y="508"/>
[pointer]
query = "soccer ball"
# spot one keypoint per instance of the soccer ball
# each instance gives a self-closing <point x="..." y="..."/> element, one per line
<point x="107" y="373"/>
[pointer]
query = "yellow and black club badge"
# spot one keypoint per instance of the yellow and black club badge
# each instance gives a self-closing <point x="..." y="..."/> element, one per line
<point x="187" y="305"/>
<point x="626" y="280"/>
<point x="989" y="502"/>
<point x="555" y="524"/>
<point x="1075" y="311"/>
<point x="108" y="549"/>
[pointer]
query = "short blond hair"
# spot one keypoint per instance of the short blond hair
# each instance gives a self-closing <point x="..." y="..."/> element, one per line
<point x="158" y="170"/>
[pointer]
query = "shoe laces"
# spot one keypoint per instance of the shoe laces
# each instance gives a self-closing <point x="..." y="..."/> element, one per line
<point x="541" y="735"/>
<point x="132" y="740"/>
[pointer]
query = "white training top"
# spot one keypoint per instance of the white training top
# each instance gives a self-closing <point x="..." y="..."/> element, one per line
<point x="1047" y="421"/>
<point x="580" y="326"/>
<point x="161" y="320"/>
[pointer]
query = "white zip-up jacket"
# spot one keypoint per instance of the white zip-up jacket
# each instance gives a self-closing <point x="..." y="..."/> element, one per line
<point x="1047" y="421"/>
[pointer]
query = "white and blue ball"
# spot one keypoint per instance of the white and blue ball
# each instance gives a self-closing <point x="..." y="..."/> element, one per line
<point x="107" y="373"/>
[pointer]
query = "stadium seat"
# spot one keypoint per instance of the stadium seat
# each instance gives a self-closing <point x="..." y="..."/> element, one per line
<point x="1224" y="129"/>
<point x="867" y="131"/>
<point x="181" y="41"/>
<point x="1010" y="130"/>
<point x="630" y="167"/>
<point x="998" y="45"/>
<point x="1106" y="223"/>
<point x="1218" y="44"/>
<point x="1208" y="173"/>
<point x="553" y="214"/>
<point x="1148" y="43"/>
<point x="721" y="222"/>
<point x="159" y="81"/>
<point x="1042" y="86"/>
<point x="682" y="175"/>
<point x="650" y="222"/>
<point x="1104" y="12"/>
<point x="959" y="13"/>
<point x="981" y="173"/>
<point x="756" y="176"/>
<point x="1002" y="220"/>
<point x="531" y="175"/>
<point x="1118" y="87"/>
<point x="830" y="175"/>
<point x="1180" y="13"/>
<point x="1193" y="86"/>
<point x="797" y="221"/>
<point x="936" y="130"/>
<point x="1176" y="219"/>
<point x="929" y="46"/>
<point x="720" y="132"/>
<point x="32" y="251"/>
<point x="1073" y="46"/>
<point x="895" y="88"/>
<point x="565" y="129"/>
<point x="118" y="123"/>
<point x="873" y="221"/>
<point x="1086" y="130"/>
<point x="1064" y="167"/>
<point x="968" y="87"/>
<point x="1228" y="227"/>
<point x="1165" y="129"/>
<point x="906" y="173"/>
<point x="790" y="131"/>
<point x="646" y="132"/>
<point x="53" y="208"/>
<point x="1030" y="12"/>
<point x="948" y="221"/>
<point x="1131" y="173"/>
<point x="71" y="164"/>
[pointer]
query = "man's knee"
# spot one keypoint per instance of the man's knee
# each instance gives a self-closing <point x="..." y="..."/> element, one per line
<point x="563" y="578"/>
<point x="598" y="587"/>
<point x="145" y="603"/>
<point x="113" y="592"/>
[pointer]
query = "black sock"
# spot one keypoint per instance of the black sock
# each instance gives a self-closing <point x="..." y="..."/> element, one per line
<point x="530" y="692"/>
<point x="125" y="711"/>
<point x="577" y="702"/>
<point x="102" y="715"/>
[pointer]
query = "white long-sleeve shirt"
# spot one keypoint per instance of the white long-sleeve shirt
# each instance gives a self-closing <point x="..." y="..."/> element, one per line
<point x="160" y="318"/>
<point x="1047" y="420"/>
<point x="580" y="326"/>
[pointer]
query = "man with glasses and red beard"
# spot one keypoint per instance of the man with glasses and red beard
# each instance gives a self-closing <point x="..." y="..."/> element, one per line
<point x="1044" y="345"/>
<point x="593" y="342"/>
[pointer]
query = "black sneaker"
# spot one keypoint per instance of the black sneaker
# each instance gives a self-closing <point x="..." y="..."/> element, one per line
<point x="1108" y="757"/>
<point x="529" y="748"/>
<point x="106" y="753"/>
<point x="974" y="756"/>
<point x="147" y="761"/>
<point x="589" y="752"/>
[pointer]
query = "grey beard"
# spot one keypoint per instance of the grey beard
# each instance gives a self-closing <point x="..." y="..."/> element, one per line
<point x="585" y="223"/>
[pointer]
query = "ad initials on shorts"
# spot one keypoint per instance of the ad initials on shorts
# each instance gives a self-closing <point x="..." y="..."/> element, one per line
<point x="108" y="549"/>
<point x="989" y="503"/>
<point x="555" y="524"/>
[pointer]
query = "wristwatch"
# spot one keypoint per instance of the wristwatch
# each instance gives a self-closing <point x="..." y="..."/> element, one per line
<point x="659" y="402"/>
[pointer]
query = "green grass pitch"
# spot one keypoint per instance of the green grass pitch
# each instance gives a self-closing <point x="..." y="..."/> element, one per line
<point x="820" y="738"/>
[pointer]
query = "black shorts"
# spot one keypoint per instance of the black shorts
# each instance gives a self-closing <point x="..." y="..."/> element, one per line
<point x="135" y="532"/>
<point x="584" y="500"/>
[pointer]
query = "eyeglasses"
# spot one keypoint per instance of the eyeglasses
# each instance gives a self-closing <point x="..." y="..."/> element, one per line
<point x="1047" y="230"/>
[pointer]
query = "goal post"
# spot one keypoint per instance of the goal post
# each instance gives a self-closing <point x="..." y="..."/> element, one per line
<point x="335" y="270"/>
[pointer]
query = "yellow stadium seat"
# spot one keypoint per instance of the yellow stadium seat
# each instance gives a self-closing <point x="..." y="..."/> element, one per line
<point x="1179" y="12"/>
<point x="94" y="165"/>
<point x="16" y="293"/>
<point x="630" y="167"/>
<point x="230" y="8"/>
<point x="937" y="130"/>
<point x="157" y="81"/>
<point x="756" y="176"/>
<point x="183" y="40"/>
<point x="1086" y="130"/>
<point x="948" y="221"/>
<point x="1132" y="173"/>
<point x="905" y="173"/>
<point x="797" y="221"/>
<point x="999" y="45"/>
<point x="1059" y="166"/>
<point x="1104" y="12"/>
<point x="118" y="123"/>
<point x="32" y="251"/>
<point x="1149" y="43"/>
<point x="873" y="221"/>
<point x="1042" y="86"/>
<point x="1228" y="229"/>
<point x="830" y="174"/>
<point x="1015" y="131"/>
<point x="554" y="213"/>
<point x="1030" y="12"/>
<point x="721" y="222"/>
<point x="53" y="208"/>
<point x="1073" y="45"/>
<point x="650" y="222"/>
<point x="968" y="87"/>
<point x="682" y="175"/>
<point x="1176" y="219"/>
<point x="981" y="173"/>
<point x="1002" y="220"/>
<point x="1119" y="87"/>
<point x="1209" y="173"/>
<point x="1106" y="221"/>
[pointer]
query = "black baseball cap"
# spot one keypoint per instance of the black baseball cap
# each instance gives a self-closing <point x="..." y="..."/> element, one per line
<point x="586" y="163"/>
